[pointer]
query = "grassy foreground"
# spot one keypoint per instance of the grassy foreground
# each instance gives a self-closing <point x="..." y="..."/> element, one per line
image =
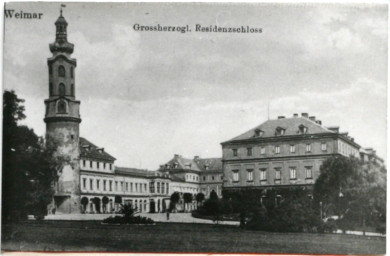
<point x="169" y="237"/>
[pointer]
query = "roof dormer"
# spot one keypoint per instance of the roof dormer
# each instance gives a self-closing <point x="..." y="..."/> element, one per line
<point x="259" y="133"/>
<point x="302" y="129"/>
<point x="279" y="131"/>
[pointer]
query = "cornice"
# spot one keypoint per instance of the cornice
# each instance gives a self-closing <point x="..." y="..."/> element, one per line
<point x="61" y="56"/>
<point x="53" y="119"/>
<point x="281" y="158"/>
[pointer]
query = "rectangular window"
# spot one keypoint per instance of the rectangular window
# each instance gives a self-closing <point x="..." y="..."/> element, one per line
<point x="221" y="177"/>
<point x="116" y="185"/>
<point x="250" y="174"/>
<point x="212" y="177"/>
<point x="127" y="186"/>
<point x="235" y="153"/>
<point x="104" y="185"/>
<point x="292" y="148"/>
<point x="235" y="175"/>
<point x="277" y="174"/>
<point x="136" y="187"/>
<point x="293" y="173"/>
<point x="110" y="185"/>
<point x="308" y="147"/>
<point x="84" y="163"/>
<point x="262" y="150"/>
<point x="84" y="183"/>
<point x="249" y="151"/>
<point x="91" y="184"/>
<point x="104" y="165"/>
<point x="97" y="184"/>
<point x="121" y="189"/>
<point x="158" y="187"/>
<point x="140" y="188"/>
<point x="98" y="165"/>
<point x="131" y="186"/>
<point x="90" y="164"/>
<point x="309" y="173"/>
<point x="167" y="188"/>
<point x="263" y="174"/>
<point x="110" y="166"/>
<point x="151" y="187"/>
<point x="162" y="188"/>
<point x="145" y="188"/>
<point x="323" y="146"/>
<point x="204" y="178"/>
<point x="277" y="149"/>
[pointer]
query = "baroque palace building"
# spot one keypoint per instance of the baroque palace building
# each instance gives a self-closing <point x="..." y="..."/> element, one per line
<point x="89" y="181"/>
<point x="282" y="153"/>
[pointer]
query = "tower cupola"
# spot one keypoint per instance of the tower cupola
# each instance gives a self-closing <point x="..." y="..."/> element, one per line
<point x="61" y="43"/>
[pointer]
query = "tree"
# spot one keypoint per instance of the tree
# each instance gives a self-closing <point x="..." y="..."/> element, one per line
<point x="29" y="168"/>
<point x="84" y="201"/>
<point x="200" y="198"/>
<point x="213" y="195"/>
<point x="187" y="197"/>
<point x="357" y="190"/>
<point x="175" y="197"/>
<point x="105" y="202"/>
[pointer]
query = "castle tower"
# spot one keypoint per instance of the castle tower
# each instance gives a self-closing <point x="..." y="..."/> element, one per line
<point x="62" y="120"/>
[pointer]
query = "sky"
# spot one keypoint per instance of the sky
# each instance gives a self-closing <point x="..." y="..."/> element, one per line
<point x="146" y="96"/>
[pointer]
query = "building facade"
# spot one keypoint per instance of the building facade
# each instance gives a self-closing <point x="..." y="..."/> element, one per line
<point x="197" y="175"/>
<point x="285" y="152"/>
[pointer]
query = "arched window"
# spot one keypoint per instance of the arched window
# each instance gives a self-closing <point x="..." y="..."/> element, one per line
<point x="50" y="89"/>
<point x="71" y="72"/>
<point x="72" y="89"/>
<point x="61" y="71"/>
<point x="62" y="89"/>
<point x="61" y="107"/>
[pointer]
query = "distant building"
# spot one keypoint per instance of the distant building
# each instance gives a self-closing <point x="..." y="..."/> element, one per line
<point x="369" y="155"/>
<point x="197" y="175"/>
<point x="285" y="152"/>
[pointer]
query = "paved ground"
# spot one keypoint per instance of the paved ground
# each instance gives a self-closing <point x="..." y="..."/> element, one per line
<point x="173" y="237"/>
<point x="158" y="217"/>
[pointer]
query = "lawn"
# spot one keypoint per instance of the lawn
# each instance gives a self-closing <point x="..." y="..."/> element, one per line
<point x="169" y="237"/>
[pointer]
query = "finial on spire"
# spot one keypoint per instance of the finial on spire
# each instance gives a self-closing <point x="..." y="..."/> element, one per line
<point x="62" y="5"/>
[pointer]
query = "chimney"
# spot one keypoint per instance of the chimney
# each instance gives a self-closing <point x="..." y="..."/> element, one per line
<point x="196" y="158"/>
<point x="319" y="122"/>
<point x="295" y="115"/>
<point x="313" y="118"/>
<point x="176" y="156"/>
<point x="306" y="115"/>
<point x="281" y="117"/>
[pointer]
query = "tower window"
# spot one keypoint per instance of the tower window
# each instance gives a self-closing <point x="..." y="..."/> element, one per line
<point x="71" y="72"/>
<point x="50" y="70"/>
<point x="61" y="107"/>
<point x="50" y="89"/>
<point x="72" y="89"/>
<point x="62" y="90"/>
<point x="61" y="71"/>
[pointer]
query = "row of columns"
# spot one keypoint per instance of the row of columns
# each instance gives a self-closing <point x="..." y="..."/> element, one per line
<point x="141" y="205"/>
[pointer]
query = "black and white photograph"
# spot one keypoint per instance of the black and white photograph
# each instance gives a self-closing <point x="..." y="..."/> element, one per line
<point x="194" y="127"/>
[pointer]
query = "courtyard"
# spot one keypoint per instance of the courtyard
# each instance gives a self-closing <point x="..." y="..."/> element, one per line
<point x="55" y="235"/>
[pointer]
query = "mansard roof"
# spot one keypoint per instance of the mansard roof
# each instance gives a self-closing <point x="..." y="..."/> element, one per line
<point x="290" y="126"/>
<point x="209" y="164"/>
<point x="90" y="150"/>
<point x="195" y="164"/>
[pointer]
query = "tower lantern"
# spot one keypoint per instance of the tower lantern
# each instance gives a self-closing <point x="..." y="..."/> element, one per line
<point x="62" y="120"/>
